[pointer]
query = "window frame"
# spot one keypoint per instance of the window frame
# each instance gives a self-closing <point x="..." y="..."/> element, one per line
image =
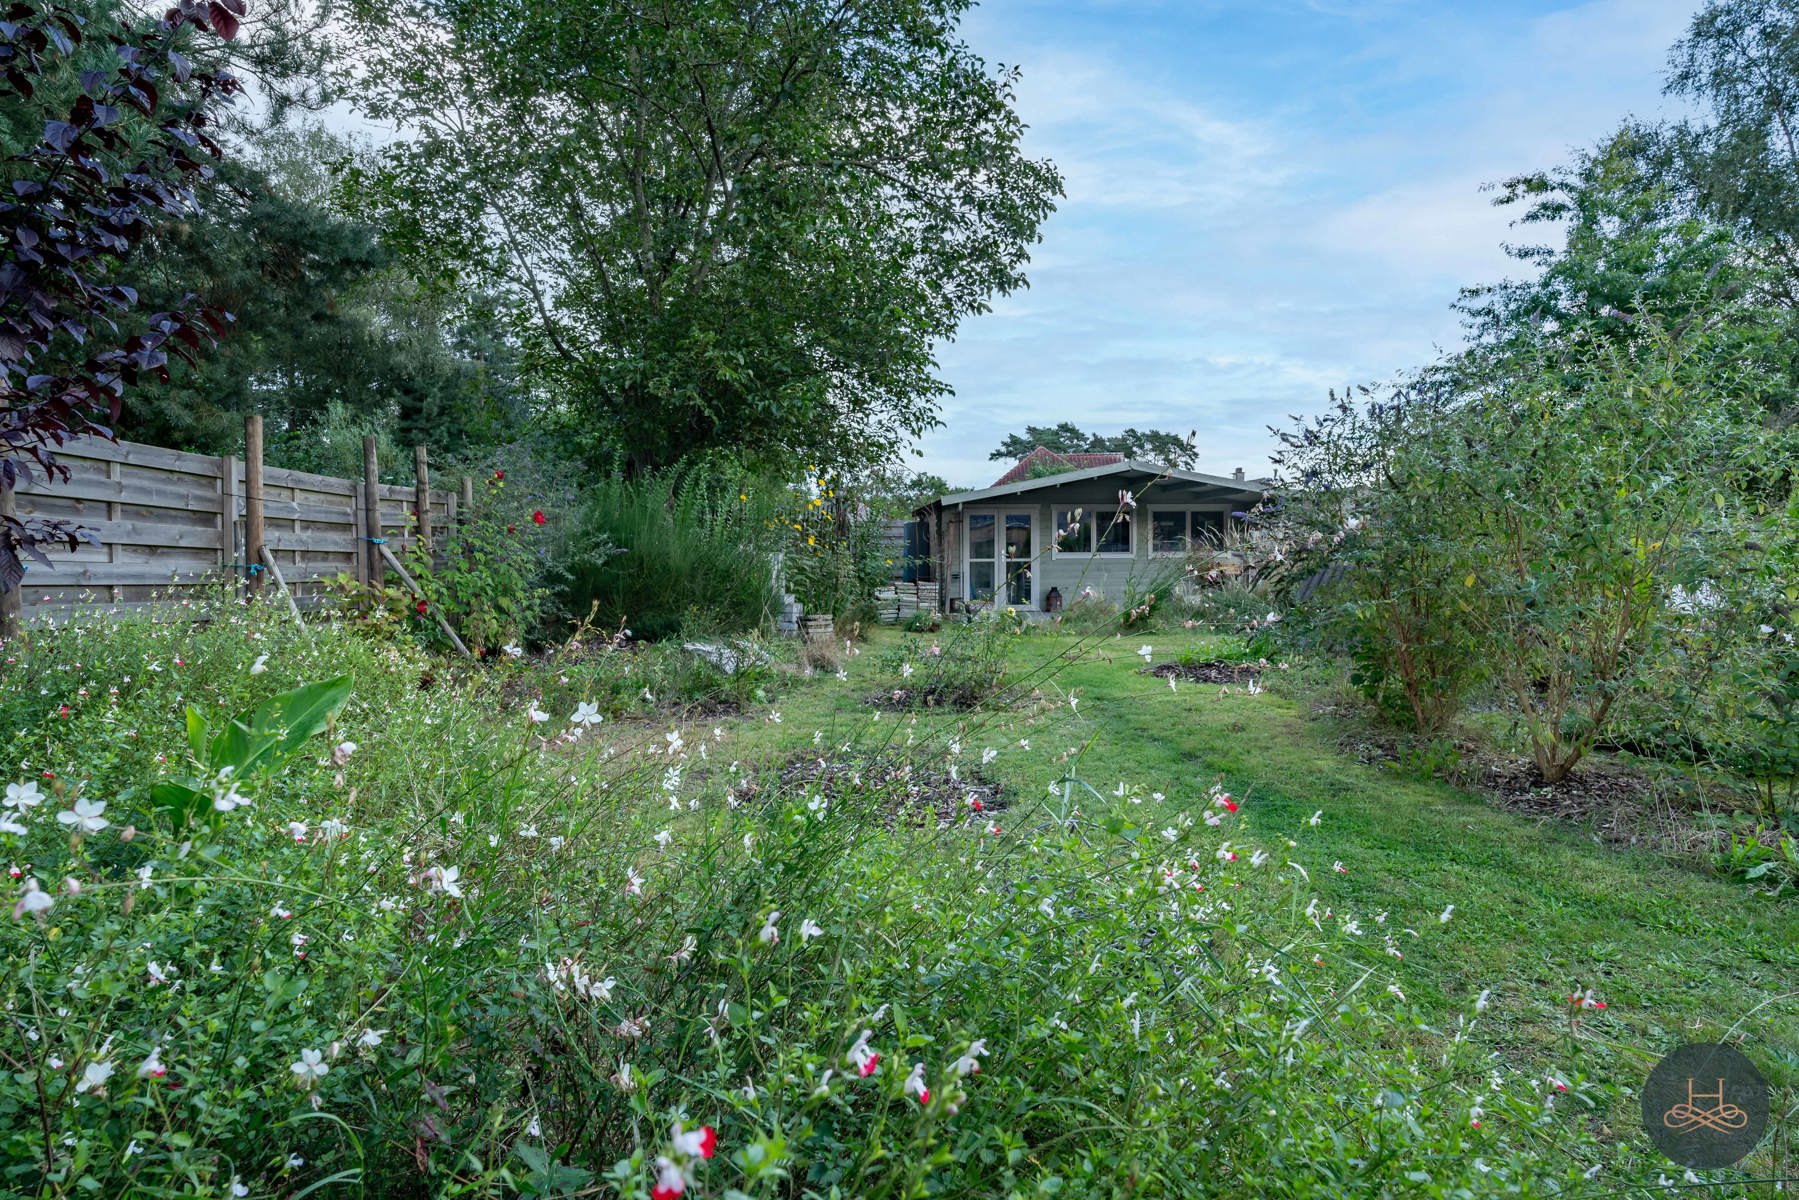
<point x="1090" y="528"/>
<point x="1186" y="511"/>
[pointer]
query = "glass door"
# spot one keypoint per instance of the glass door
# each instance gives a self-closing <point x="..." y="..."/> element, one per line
<point x="1001" y="557"/>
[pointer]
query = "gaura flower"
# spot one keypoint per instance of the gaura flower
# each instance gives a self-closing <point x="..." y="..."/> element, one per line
<point x="340" y="753"/>
<point x="33" y="900"/>
<point x="769" y="935"/>
<point x="23" y="795"/>
<point x="810" y="929"/>
<point x="1145" y="653"/>
<point x="85" y="816"/>
<point x="151" y="1067"/>
<point x="445" y="880"/>
<point x="260" y="665"/>
<point x="586" y="713"/>
<point x="538" y="716"/>
<point x="309" y="1068"/>
<point x="94" y="1076"/>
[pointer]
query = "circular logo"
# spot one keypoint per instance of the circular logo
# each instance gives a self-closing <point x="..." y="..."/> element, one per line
<point x="1705" y="1105"/>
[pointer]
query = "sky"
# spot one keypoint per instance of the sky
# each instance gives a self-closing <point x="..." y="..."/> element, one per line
<point x="1267" y="199"/>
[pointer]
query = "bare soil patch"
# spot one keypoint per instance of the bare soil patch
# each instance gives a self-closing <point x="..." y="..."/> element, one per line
<point x="1217" y="671"/>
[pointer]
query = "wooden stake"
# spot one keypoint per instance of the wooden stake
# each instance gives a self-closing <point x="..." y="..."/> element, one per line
<point x="274" y="567"/>
<point x="413" y="587"/>
<point x="255" y="536"/>
<point x="371" y="507"/>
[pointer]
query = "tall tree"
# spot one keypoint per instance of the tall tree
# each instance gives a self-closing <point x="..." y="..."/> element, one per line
<point x="1145" y="445"/>
<point x="729" y="224"/>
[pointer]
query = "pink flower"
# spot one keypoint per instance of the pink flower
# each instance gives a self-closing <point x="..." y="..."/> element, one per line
<point x="915" y="1085"/>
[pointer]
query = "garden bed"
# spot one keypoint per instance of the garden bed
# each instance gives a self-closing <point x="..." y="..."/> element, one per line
<point x="910" y="792"/>
<point x="1216" y="671"/>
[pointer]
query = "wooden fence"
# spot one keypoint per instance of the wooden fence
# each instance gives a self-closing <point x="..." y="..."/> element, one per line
<point x="168" y="520"/>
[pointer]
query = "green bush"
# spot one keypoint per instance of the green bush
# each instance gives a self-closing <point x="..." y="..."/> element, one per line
<point x="963" y="667"/>
<point x="679" y="551"/>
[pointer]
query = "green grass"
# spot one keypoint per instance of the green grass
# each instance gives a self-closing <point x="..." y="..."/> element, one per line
<point x="1540" y="907"/>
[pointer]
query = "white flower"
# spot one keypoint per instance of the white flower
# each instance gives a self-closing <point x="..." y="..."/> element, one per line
<point x="93" y="1076"/>
<point x="513" y="650"/>
<point x="669" y="1180"/>
<point x="694" y="1143"/>
<point x="9" y="824"/>
<point x="664" y="838"/>
<point x="915" y="1085"/>
<point x="370" y="1038"/>
<point x="1316" y="817"/>
<point x="340" y="753"/>
<point x="1481" y="1001"/>
<point x="770" y="935"/>
<point x="85" y="816"/>
<point x="810" y="929"/>
<point x="586" y="713"/>
<point x="151" y="1067"/>
<point x="673" y="738"/>
<point x="260" y="665"/>
<point x="444" y="879"/>
<point x="969" y="1063"/>
<point x="155" y="972"/>
<point x="1444" y="918"/>
<point x="905" y="670"/>
<point x="538" y="715"/>
<point x="229" y="800"/>
<point x="309" y="1068"/>
<point x="1145" y="653"/>
<point x="988" y="755"/>
<point x="23" y="795"/>
<point x="331" y="827"/>
<point x="238" y="1187"/>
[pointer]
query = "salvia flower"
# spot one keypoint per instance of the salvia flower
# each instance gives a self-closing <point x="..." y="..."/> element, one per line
<point x="696" y="1143"/>
<point x="915" y="1085"/>
<point x="970" y="1062"/>
<point x="770" y="936"/>
<point x="861" y="1057"/>
<point x="670" y="1181"/>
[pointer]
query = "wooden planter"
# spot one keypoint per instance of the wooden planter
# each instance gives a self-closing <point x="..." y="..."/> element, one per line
<point x="817" y="628"/>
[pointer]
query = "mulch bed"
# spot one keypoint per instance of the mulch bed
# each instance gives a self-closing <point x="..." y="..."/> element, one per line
<point x="1217" y="671"/>
<point x="1621" y="805"/>
<point x="910" y="793"/>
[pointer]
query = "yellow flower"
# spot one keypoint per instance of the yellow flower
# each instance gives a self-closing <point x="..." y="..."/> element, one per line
<point x="810" y="540"/>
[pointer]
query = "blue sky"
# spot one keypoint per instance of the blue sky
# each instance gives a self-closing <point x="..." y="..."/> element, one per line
<point x="1269" y="198"/>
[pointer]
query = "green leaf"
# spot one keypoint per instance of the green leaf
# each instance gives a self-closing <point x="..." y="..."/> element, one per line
<point x="197" y="734"/>
<point x="181" y="799"/>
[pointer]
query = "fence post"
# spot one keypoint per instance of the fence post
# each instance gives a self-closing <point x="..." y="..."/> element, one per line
<point x="371" y="507"/>
<point x="254" y="533"/>
<point x="421" y="502"/>
<point x="12" y="602"/>
<point x="228" y="494"/>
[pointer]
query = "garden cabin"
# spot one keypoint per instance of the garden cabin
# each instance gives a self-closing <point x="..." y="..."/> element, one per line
<point x="1054" y="525"/>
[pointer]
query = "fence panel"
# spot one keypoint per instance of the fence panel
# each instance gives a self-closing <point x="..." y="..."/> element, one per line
<point x="167" y="520"/>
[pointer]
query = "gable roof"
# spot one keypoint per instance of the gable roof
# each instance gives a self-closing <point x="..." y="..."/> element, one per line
<point x="1059" y="461"/>
<point x="1222" y="487"/>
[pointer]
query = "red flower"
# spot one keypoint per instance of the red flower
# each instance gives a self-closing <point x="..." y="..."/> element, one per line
<point x="512" y="529"/>
<point x="421" y="608"/>
<point x="499" y="474"/>
<point x="708" y="1141"/>
<point x="539" y="517"/>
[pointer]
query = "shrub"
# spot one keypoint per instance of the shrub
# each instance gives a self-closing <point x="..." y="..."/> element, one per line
<point x="686" y="550"/>
<point x="488" y="585"/>
<point x="963" y="668"/>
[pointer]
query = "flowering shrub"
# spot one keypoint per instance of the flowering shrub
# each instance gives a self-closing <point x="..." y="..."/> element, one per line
<point x="488" y="584"/>
<point x="452" y="947"/>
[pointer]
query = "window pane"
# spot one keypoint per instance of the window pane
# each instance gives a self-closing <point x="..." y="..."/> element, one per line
<point x="1208" y="530"/>
<point x="1018" y="584"/>
<point x="980" y="537"/>
<point x="1114" y="534"/>
<point x="1018" y="535"/>
<point x="980" y="580"/>
<point x="1074" y="532"/>
<point x="1168" y="532"/>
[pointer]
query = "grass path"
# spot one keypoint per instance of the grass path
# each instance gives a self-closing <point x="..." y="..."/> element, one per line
<point x="1541" y="908"/>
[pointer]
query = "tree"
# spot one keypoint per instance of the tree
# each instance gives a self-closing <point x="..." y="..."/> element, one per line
<point x="330" y="322"/>
<point x="1154" y="445"/>
<point x="736" y="224"/>
<point x="124" y="137"/>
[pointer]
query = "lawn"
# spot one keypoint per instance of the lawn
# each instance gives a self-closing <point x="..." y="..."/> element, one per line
<point x="1542" y="908"/>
